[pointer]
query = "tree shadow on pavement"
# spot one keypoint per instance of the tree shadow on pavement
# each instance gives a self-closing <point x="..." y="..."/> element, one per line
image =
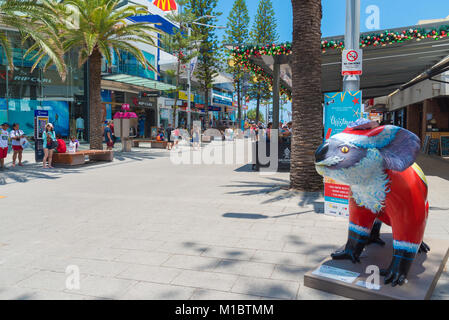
<point x="276" y="190"/>
<point x="33" y="171"/>
<point x="285" y="270"/>
<point x="245" y="168"/>
<point x="22" y="296"/>
<point x="138" y="155"/>
<point x="256" y="216"/>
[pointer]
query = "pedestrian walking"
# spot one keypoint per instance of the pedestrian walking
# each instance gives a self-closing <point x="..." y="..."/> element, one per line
<point x="268" y="132"/>
<point x="176" y="136"/>
<point x="16" y="136"/>
<point x="4" y="138"/>
<point x="169" y="132"/>
<point x="196" y="133"/>
<point x="50" y="144"/>
<point x="79" y="122"/>
<point x="108" y="136"/>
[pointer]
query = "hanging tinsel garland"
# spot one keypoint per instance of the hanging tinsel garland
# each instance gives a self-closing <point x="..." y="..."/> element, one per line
<point x="242" y="55"/>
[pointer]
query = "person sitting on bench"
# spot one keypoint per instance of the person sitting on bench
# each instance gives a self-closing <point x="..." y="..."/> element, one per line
<point x="62" y="147"/>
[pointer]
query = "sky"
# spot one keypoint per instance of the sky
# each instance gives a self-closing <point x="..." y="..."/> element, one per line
<point x="397" y="13"/>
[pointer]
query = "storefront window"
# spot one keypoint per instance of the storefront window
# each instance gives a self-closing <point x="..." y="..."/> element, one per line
<point x="128" y="64"/>
<point x="22" y="91"/>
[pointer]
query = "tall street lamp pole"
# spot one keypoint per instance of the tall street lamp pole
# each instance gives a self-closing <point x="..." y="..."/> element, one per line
<point x="352" y="40"/>
<point x="189" y="119"/>
<point x="189" y="111"/>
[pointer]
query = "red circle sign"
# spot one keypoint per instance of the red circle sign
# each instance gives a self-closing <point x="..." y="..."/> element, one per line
<point x="352" y="56"/>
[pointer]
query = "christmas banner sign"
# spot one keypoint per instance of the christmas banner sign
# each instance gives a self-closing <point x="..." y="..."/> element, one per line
<point x="340" y="108"/>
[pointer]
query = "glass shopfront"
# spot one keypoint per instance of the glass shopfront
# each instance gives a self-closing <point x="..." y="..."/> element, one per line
<point x="22" y="91"/>
<point x="144" y="107"/>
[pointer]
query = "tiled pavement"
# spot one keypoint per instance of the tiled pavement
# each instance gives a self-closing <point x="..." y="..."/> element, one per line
<point x="143" y="228"/>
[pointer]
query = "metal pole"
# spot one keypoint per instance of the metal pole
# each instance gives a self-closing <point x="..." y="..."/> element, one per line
<point x="189" y="91"/>
<point x="352" y="40"/>
<point x="276" y="87"/>
<point x="7" y="90"/>
<point x="267" y="117"/>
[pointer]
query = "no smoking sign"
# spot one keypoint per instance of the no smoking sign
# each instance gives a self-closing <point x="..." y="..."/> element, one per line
<point x="352" y="56"/>
<point x="352" y="62"/>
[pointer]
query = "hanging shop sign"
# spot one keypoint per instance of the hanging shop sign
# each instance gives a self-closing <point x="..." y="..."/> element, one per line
<point x="219" y="100"/>
<point x="214" y="108"/>
<point x="340" y="109"/>
<point x="142" y="103"/>
<point x="147" y="94"/>
<point x="184" y="96"/>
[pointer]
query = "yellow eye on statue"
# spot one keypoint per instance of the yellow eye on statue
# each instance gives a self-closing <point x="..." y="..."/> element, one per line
<point x="345" y="149"/>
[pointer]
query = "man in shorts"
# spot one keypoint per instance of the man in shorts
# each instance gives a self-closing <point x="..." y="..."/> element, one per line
<point x="108" y="137"/>
<point x="4" y="135"/>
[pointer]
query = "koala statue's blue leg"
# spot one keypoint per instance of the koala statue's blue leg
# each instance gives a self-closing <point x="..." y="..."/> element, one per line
<point x="403" y="256"/>
<point x="374" y="237"/>
<point x="423" y="248"/>
<point x="361" y="221"/>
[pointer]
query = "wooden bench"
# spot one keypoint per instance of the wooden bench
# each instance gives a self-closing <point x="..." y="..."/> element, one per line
<point x="154" y="143"/>
<point x="79" y="157"/>
<point x="137" y="141"/>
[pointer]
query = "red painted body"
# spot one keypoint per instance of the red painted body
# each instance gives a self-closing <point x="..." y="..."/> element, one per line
<point x="406" y="207"/>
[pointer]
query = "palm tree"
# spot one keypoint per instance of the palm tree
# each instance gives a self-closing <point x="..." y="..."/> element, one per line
<point x="35" y="21"/>
<point x="100" y="27"/>
<point x="306" y="106"/>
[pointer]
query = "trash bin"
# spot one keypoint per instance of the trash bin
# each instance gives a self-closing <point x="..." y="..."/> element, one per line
<point x="284" y="154"/>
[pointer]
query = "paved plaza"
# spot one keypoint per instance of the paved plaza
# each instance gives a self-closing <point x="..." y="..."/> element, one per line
<point x="144" y="228"/>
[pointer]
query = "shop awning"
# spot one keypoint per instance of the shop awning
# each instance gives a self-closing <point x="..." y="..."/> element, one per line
<point x="141" y="82"/>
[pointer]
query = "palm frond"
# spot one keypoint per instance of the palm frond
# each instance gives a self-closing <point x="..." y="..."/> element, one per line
<point x="7" y="49"/>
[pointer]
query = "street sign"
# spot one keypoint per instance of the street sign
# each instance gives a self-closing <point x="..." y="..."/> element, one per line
<point x="352" y="62"/>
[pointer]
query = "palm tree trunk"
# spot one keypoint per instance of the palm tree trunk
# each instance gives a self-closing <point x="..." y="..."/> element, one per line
<point x="95" y="125"/>
<point x="306" y="107"/>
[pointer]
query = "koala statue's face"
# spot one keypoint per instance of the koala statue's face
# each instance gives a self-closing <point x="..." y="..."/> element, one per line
<point x="354" y="156"/>
<point x="345" y="162"/>
<point x="336" y="154"/>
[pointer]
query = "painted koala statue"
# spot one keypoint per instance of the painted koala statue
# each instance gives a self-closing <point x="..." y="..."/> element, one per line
<point x="377" y="162"/>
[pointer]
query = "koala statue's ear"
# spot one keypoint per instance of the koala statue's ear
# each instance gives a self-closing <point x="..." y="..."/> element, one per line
<point x="402" y="151"/>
